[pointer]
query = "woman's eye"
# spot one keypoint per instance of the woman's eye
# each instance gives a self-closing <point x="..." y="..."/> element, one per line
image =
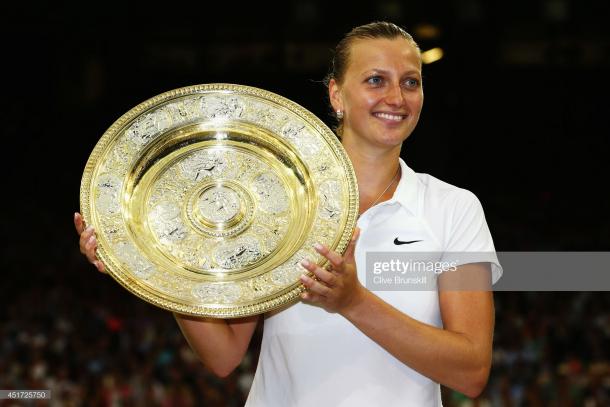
<point x="411" y="83"/>
<point x="374" y="80"/>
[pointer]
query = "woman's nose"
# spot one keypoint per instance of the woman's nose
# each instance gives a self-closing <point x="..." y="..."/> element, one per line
<point x="394" y="96"/>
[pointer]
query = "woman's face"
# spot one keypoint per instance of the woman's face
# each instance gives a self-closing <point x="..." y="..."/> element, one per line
<point x="381" y="93"/>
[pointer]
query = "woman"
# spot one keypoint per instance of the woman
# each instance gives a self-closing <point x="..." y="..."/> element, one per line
<point x="344" y="345"/>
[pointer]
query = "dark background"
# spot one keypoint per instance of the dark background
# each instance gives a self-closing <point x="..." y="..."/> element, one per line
<point x="516" y="112"/>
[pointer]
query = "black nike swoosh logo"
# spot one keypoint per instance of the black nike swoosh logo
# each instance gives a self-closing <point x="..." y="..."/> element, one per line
<point x="399" y="242"/>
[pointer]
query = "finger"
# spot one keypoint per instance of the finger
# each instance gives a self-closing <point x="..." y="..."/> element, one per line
<point x="324" y="275"/>
<point x="88" y="242"/>
<point x="351" y="247"/>
<point x="79" y="223"/>
<point x="313" y="298"/>
<point x="314" y="286"/>
<point x="336" y="260"/>
<point x="84" y="238"/>
<point x="99" y="266"/>
<point x="90" y="248"/>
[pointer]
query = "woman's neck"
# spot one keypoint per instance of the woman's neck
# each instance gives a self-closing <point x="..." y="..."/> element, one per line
<point x="376" y="169"/>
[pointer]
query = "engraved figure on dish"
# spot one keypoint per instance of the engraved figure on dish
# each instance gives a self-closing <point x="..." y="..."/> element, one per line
<point x="271" y="193"/>
<point x="219" y="204"/>
<point x="238" y="254"/>
<point x="203" y="164"/>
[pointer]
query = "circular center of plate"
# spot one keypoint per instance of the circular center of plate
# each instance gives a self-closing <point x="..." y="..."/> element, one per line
<point x="219" y="204"/>
<point x="220" y="208"/>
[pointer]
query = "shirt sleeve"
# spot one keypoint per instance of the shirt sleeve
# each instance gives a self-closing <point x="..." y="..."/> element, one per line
<point x="469" y="239"/>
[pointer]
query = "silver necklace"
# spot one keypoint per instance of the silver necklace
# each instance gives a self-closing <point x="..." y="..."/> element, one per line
<point x="384" y="191"/>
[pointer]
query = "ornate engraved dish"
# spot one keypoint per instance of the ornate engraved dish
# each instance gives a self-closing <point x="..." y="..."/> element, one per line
<point x="206" y="198"/>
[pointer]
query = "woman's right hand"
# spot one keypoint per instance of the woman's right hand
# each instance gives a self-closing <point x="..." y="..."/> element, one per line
<point x="87" y="241"/>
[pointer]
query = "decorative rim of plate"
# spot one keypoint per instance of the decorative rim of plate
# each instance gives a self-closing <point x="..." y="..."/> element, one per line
<point x="283" y="298"/>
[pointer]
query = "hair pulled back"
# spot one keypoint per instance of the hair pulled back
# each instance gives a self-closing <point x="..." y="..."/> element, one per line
<point x="374" y="30"/>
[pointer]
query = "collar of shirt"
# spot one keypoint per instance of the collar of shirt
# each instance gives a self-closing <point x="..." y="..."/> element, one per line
<point x="406" y="193"/>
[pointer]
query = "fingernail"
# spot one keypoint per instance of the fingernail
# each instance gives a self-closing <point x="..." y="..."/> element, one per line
<point x="91" y="239"/>
<point x="318" y="246"/>
<point x="89" y="229"/>
<point x="304" y="278"/>
<point x="305" y="263"/>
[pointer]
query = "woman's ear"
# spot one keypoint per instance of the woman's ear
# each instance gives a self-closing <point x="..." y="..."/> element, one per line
<point x="334" y="94"/>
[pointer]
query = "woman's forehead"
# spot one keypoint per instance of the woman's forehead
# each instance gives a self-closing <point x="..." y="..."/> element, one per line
<point x="383" y="51"/>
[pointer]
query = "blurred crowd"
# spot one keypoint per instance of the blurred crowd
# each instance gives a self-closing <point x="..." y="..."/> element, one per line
<point x="550" y="349"/>
<point x="81" y="335"/>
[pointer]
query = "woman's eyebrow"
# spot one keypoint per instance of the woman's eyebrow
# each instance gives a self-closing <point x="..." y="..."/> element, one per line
<point x="386" y="72"/>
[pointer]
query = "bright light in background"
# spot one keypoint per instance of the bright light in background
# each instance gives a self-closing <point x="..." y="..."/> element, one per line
<point x="432" y="55"/>
<point x="426" y="31"/>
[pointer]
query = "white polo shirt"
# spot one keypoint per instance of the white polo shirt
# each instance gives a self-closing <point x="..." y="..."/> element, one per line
<point x="313" y="358"/>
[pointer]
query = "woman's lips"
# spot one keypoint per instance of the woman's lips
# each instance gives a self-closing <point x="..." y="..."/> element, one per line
<point x="390" y="116"/>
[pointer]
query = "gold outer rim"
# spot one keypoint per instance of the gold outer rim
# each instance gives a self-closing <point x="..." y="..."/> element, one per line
<point x="288" y="296"/>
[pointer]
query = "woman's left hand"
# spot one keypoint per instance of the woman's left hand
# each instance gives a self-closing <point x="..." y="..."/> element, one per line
<point x="338" y="288"/>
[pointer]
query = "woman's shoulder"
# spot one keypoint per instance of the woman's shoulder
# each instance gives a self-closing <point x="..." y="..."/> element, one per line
<point x="436" y="190"/>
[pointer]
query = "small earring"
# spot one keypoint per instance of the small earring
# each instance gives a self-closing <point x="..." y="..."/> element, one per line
<point x="339" y="114"/>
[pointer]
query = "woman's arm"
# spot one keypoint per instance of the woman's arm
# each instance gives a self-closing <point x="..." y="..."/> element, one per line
<point x="220" y="344"/>
<point x="457" y="356"/>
